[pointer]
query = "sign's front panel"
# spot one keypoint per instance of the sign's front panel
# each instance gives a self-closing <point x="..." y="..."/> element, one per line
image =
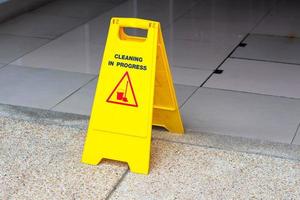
<point x="126" y="87"/>
<point x="121" y="119"/>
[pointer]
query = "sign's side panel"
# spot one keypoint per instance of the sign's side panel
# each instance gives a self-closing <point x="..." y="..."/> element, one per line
<point x="166" y="111"/>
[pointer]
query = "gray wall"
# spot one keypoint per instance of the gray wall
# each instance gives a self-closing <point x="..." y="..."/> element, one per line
<point x="10" y="8"/>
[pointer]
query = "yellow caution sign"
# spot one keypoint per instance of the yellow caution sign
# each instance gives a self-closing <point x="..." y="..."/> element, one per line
<point x="134" y="91"/>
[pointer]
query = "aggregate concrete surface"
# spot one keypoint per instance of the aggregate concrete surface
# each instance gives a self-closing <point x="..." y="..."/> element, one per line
<point x="41" y="153"/>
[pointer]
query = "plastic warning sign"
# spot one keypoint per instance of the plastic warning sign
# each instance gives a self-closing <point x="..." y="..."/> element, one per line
<point x="134" y="91"/>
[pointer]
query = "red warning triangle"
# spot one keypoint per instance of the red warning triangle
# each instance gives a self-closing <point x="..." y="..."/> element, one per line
<point x="123" y="93"/>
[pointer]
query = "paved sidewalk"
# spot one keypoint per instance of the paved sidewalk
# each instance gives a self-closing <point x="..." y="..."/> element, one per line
<point x="41" y="152"/>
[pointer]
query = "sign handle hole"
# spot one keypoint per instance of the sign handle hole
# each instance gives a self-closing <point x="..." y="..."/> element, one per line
<point x="133" y="34"/>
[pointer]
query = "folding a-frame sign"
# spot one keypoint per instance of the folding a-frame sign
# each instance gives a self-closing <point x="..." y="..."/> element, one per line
<point x="134" y="91"/>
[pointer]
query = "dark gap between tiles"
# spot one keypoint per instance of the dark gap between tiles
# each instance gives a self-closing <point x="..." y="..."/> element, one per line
<point x="269" y="61"/>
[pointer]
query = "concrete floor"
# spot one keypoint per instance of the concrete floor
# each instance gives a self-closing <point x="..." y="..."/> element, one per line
<point x="41" y="153"/>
